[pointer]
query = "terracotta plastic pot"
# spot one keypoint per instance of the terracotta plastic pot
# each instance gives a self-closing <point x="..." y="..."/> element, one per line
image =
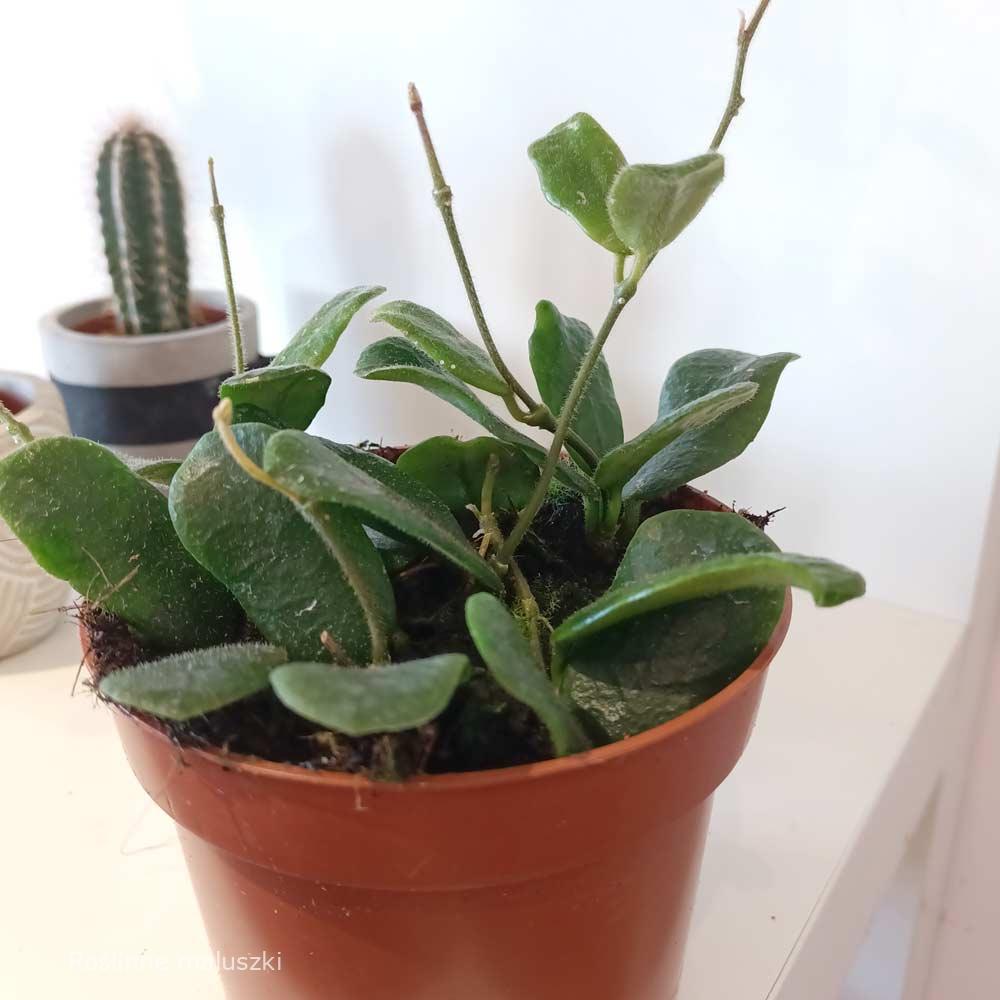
<point x="572" y="878"/>
<point x="150" y="395"/>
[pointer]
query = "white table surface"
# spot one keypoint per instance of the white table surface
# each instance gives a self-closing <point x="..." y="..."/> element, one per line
<point x="96" y="901"/>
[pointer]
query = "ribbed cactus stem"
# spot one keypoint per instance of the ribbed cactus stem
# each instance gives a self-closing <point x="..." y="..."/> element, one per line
<point x="142" y="220"/>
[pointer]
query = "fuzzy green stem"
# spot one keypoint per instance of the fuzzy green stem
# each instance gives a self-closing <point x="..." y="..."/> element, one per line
<point x="611" y="513"/>
<point x="743" y="39"/>
<point x="18" y="431"/>
<point x="219" y="217"/>
<point x="619" y="271"/>
<point x="529" y="607"/>
<point x="543" y="417"/>
<point x="443" y="199"/>
<point x="623" y="293"/>
<point x="489" y="483"/>
<point x="222" y="417"/>
<point x="538" y="414"/>
<point x="487" y="519"/>
<point x="631" y="514"/>
<point x="492" y="535"/>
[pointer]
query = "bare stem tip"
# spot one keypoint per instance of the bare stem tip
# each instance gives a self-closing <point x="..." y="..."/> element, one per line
<point x="211" y="180"/>
<point x="416" y="104"/>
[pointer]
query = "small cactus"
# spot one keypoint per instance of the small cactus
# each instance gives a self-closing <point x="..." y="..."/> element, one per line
<point x="142" y="220"/>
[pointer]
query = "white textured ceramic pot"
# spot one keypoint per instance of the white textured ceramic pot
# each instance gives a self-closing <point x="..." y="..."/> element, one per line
<point x="149" y="395"/>
<point x="29" y="597"/>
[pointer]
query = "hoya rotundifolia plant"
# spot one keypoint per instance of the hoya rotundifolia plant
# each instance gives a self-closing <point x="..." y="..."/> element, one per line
<point x="501" y="599"/>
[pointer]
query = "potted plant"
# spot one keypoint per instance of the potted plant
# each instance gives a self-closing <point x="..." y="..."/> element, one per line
<point x="442" y="721"/>
<point x="140" y="371"/>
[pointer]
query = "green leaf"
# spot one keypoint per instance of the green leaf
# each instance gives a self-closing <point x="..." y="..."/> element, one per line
<point x="318" y="336"/>
<point x="307" y="467"/>
<point x="650" y="205"/>
<point x="618" y="466"/>
<point x="378" y="699"/>
<point x="439" y="339"/>
<point x="828" y="582"/>
<point x="396" y="479"/>
<point x="507" y="654"/>
<point x="88" y="519"/>
<point x="557" y="347"/>
<point x="296" y="572"/>
<point x="454" y="470"/>
<point x="397" y="360"/>
<point x="159" y="472"/>
<point x="187" y="684"/>
<point x="289" y="395"/>
<point x="638" y="674"/>
<point x="706" y="448"/>
<point x="577" y="163"/>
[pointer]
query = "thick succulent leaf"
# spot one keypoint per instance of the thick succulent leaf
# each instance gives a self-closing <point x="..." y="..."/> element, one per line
<point x="577" y="163"/>
<point x="638" y="674"/>
<point x="297" y="573"/>
<point x="438" y="338"/>
<point x="288" y="395"/>
<point x="187" y="684"/>
<point x="394" y="477"/>
<point x="620" y="465"/>
<point x="381" y="699"/>
<point x="88" y="519"/>
<point x="318" y="336"/>
<point x="396" y="360"/>
<point x="703" y="449"/>
<point x="651" y="204"/>
<point x="828" y="582"/>
<point x="159" y="472"/>
<point x="454" y="470"/>
<point x="311" y="470"/>
<point x="557" y="347"/>
<point x="507" y="655"/>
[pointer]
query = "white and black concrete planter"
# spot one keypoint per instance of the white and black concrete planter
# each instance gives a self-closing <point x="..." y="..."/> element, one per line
<point x="149" y="395"/>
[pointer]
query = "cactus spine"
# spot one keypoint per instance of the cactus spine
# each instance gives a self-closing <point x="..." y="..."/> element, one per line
<point x="142" y="220"/>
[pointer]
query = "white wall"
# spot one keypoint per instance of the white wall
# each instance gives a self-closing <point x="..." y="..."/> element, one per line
<point x="857" y="224"/>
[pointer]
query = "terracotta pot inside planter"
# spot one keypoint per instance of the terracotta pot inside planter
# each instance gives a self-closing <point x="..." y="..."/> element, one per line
<point x="570" y="879"/>
<point x="107" y="323"/>
<point x="13" y="402"/>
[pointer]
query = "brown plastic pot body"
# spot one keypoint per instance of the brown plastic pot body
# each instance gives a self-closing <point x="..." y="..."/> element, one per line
<point x="572" y="878"/>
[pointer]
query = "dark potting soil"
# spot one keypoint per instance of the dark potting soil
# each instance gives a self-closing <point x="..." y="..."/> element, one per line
<point x="482" y="728"/>
<point x="107" y="322"/>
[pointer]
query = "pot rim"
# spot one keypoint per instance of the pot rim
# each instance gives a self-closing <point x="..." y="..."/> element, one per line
<point x="494" y="777"/>
<point x="60" y="321"/>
